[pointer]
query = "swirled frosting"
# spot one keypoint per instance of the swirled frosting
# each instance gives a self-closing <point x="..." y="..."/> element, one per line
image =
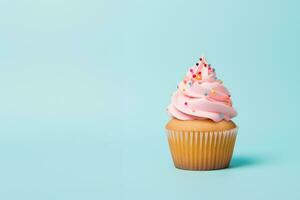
<point x="201" y="95"/>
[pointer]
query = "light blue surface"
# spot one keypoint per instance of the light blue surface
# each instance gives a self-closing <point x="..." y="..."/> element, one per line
<point x="84" y="86"/>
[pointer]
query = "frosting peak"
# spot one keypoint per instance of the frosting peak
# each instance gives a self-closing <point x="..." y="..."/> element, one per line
<point x="201" y="95"/>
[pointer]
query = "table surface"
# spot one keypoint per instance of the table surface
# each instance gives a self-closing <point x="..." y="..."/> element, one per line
<point x="85" y="84"/>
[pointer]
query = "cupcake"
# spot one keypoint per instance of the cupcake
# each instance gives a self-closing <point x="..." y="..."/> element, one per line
<point x="200" y="132"/>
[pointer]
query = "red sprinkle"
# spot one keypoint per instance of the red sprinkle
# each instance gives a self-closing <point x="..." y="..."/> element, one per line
<point x="199" y="73"/>
<point x="205" y="65"/>
<point x="184" y="81"/>
<point x="185" y="103"/>
<point x="194" y="75"/>
<point x="191" y="70"/>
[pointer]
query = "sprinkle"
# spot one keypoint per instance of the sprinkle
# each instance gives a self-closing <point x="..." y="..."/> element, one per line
<point x="209" y="65"/>
<point x="214" y="70"/>
<point x="185" y="103"/>
<point x="200" y="59"/>
<point x="177" y="87"/>
<point x="229" y="95"/>
<point x="190" y="83"/>
<point x="191" y="70"/>
<point x="199" y="73"/>
<point x="194" y="75"/>
<point x="184" y="81"/>
<point x="205" y="94"/>
<point x="198" y="77"/>
<point x="197" y="64"/>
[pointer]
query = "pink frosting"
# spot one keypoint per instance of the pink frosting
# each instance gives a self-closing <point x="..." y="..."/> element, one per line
<point x="201" y="95"/>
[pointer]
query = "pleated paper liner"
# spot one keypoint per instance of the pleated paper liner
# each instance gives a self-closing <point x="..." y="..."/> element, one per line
<point x="192" y="150"/>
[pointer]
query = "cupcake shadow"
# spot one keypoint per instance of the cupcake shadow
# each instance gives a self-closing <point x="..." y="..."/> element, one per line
<point x="245" y="161"/>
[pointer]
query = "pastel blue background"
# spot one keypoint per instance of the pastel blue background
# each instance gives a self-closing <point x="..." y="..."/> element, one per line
<point x="84" y="86"/>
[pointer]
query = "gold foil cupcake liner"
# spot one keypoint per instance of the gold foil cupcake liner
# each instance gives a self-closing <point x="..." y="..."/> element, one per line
<point x="194" y="150"/>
